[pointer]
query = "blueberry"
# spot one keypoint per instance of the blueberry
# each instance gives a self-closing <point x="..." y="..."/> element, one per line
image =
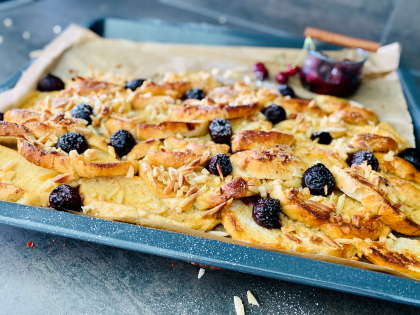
<point x="64" y="197"/>
<point x="220" y="130"/>
<point x="1" y="116"/>
<point x="223" y="161"/>
<point x="82" y="111"/>
<point x="123" y="142"/>
<point x="72" y="141"/>
<point x="360" y="156"/>
<point x="274" y="113"/>
<point x="134" y="84"/>
<point x="316" y="178"/>
<point x="286" y="90"/>
<point x="195" y="93"/>
<point x="50" y="83"/>
<point x="266" y="213"/>
<point x="323" y="136"/>
<point x="411" y="155"/>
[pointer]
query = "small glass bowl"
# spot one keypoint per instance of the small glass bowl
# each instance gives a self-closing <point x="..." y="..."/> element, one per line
<point x="323" y="75"/>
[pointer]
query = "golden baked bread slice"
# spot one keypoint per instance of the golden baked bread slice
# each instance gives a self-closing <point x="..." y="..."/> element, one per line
<point x="401" y="254"/>
<point x="398" y="166"/>
<point x="23" y="182"/>
<point x="378" y="196"/>
<point x="171" y="129"/>
<point x="300" y="106"/>
<point x="267" y="164"/>
<point x="341" y="110"/>
<point x="337" y="216"/>
<point x="259" y="139"/>
<point x="211" y="112"/>
<point x="158" y="131"/>
<point x="173" y="89"/>
<point x="77" y="164"/>
<point x="130" y="200"/>
<point x="373" y="142"/>
<point x="238" y="222"/>
<point x="19" y="115"/>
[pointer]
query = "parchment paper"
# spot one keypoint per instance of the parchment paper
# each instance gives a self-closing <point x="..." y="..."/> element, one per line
<point x="77" y="48"/>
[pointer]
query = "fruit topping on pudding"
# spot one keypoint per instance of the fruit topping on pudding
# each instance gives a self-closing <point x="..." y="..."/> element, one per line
<point x="319" y="180"/>
<point x="122" y="141"/>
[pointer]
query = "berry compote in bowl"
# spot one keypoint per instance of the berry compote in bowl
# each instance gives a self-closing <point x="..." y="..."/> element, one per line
<point x="323" y="75"/>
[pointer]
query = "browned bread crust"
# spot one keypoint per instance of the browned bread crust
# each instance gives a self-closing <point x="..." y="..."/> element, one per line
<point x="370" y="190"/>
<point x="268" y="164"/>
<point x="237" y="188"/>
<point x="301" y="209"/>
<point x="405" y="261"/>
<point x="19" y="115"/>
<point x="211" y="112"/>
<point x="171" y="159"/>
<point x="238" y="222"/>
<point x="62" y="163"/>
<point x="89" y="86"/>
<point x="170" y="129"/>
<point x="373" y="142"/>
<point x="399" y="167"/>
<point x="258" y="139"/>
<point x="196" y="147"/>
<point x="173" y="89"/>
<point x="300" y="106"/>
<point x="370" y="228"/>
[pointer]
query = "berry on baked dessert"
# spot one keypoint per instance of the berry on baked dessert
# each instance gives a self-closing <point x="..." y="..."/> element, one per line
<point x="319" y="180"/>
<point x="72" y="141"/>
<point x="83" y="111"/>
<point x="64" y="197"/>
<point x="134" y="84"/>
<point x="49" y="83"/>
<point x="266" y="213"/>
<point x="274" y="113"/>
<point x="122" y="141"/>
<point x="220" y="130"/>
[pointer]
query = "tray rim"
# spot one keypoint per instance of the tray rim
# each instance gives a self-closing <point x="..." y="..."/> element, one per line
<point x="22" y="216"/>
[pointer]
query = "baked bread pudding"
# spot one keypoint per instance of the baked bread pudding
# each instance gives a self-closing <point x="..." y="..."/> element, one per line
<point x="320" y="176"/>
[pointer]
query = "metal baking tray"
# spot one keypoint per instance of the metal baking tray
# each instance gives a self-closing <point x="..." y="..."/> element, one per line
<point x="207" y="251"/>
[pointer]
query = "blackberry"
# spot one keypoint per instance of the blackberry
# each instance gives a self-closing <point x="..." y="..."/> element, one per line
<point x="1" y="116"/>
<point x="72" y="141"/>
<point x="266" y="213"/>
<point x="274" y="113"/>
<point x="50" y="83"/>
<point x="286" y="90"/>
<point x="82" y="111"/>
<point x="123" y="142"/>
<point x="323" y="136"/>
<point x="220" y="130"/>
<point x="360" y="156"/>
<point x="411" y="155"/>
<point x="134" y="84"/>
<point x="195" y="93"/>
<point x="64" y="197"/>
<point x="316" y="178"/>
<point x="223" y="161"/>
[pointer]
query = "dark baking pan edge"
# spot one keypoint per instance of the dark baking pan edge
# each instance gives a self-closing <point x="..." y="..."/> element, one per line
<point x="215" y="253"/>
